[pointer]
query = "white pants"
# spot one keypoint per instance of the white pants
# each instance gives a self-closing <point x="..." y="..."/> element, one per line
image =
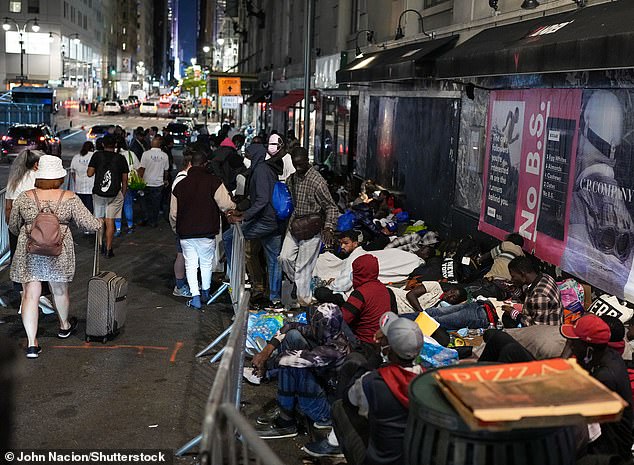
<point x="298" y="260"/>
<point x="198" y="251"/>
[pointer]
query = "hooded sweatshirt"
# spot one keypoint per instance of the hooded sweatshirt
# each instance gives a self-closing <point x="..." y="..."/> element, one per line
<point x="226" y="163"/>
<point x="261" y="183"/>
<point x="369" y="300"/>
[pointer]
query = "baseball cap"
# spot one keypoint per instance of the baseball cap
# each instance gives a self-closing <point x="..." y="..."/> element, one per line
<point x="404" y="336"/>
<point x="588" y="328"/>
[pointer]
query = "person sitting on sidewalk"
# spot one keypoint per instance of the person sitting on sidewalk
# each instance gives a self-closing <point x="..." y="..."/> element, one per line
<point x="370" y="421"/>
<point x="195" y="217"/>
<point x="542" y="300"/>
<point x="307" y="359"/>
<point x="589" y="337"/>
<point x="310" y="196"/>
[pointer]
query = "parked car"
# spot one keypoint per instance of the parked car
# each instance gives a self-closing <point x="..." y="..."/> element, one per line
<point x="30" y="136"/>
<point x="148" y="108"/>
<point x="180" y="132"/>
<point x="97" y="131"/>
<point x="177" y="109"/>
<point x="125" y="105"/>
<point x="112" y="107"/>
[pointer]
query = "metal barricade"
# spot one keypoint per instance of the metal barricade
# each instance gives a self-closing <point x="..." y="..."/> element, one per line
<point x="5" y="252"/>
<point x="227" y="437"/>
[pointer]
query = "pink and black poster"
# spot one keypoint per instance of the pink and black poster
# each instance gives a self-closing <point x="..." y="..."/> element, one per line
<point x="560" y="171"/>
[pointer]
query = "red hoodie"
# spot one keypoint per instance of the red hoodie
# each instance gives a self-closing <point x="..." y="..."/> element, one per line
<point x="369" y="300"/>
<point x="227" y="143"/>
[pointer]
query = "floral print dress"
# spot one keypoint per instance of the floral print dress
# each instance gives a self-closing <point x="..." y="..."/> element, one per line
<point x="26" y="267"/>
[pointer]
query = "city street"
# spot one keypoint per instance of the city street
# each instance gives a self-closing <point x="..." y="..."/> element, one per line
<point x="72" y="142"/>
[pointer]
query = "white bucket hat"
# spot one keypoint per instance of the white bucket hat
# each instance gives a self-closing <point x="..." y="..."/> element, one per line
<point x="50" y="167"/>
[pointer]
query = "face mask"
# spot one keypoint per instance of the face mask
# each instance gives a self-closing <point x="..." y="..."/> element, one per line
<point x="273" y="148"/>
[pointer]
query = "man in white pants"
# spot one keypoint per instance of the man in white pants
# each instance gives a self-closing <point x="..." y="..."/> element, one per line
<point x="310" y="197"/>
<point x="195" y="217"/>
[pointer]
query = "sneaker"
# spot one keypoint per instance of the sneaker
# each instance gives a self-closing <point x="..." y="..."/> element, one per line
<point x="278" y="429"/>
<point x="322" y="449"/>
<point x="268" y="417"/>
<point x="249" y="374"/>
<point x="64" y="333"/>
<point x="46" y="305"/>
<point x="130" y="230"/>
<point x="276" y="306"/>
<point x="33" y="351"/>
<point x="182" y="291"/>
<point x="194" y="302"/>
<point x="117" y="233"/>
<point x="109" y="254"/>
<point x="324" y="424"/>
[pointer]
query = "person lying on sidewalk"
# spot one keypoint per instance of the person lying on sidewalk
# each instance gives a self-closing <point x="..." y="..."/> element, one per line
<point x="307" y="359"/>
<point x="370" y="421"/>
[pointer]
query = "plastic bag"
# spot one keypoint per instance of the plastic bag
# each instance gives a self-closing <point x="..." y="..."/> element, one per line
<point x="433" y="355"/>
<point x="282" y="201"/>
<point x="264" y="325"/>
<point x="135" y="182"/>
<point x="402" y="217"/>
<point x="346" y="221"/>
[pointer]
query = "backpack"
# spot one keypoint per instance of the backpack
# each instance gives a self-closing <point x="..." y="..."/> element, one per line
<point x="104" y="184"/>
<point x="282" y="201"/>
<point x="45" y="237"/>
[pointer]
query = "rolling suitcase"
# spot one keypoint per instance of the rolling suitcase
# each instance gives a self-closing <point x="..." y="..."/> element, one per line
<point x="106" y="309"/>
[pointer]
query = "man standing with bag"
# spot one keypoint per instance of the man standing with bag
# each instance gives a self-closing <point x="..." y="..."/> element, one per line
<point x="111" y="182"/>
<point x="312" y="202"/>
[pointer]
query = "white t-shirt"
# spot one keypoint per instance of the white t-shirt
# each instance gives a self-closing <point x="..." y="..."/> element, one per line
<point x="26" y="183"/>
<point x="155" y="162"/>
<point x="79" y="164"/>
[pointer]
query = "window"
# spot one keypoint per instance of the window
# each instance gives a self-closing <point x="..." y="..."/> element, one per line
<point x="72" y="14"/>
<point x="65" y="9"/>
<point x="15" y="6"/>
<point x="354" y="16"/>
<point x="430" y="3"/>
<point x="123" y="30"/>
<point x="85" y="22"/>
<point x="79" y="18"/>
<point x="34" y="7"/>
<point x="124" y="46"/>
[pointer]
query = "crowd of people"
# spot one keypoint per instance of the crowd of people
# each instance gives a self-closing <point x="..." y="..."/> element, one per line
<point x="361" y="270"/>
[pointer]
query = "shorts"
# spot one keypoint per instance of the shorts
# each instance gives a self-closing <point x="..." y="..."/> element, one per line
<point x="107" y="207"/>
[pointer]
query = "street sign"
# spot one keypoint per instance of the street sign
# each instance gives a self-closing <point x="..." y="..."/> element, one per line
<point x="230" y="102"/>
<point x="229" y="86"/>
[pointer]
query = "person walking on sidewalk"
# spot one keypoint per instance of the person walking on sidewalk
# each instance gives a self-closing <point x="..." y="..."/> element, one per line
<point x="311" y="197"/>
<point x="82" y="184"/>
<point x="110" y="170"/>
<point x="195" y="216"/>
<point x="154" y="169"/>
<point x="30" y="268"/>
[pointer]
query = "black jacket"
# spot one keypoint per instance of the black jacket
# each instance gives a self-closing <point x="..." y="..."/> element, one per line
<point x="261" y="183"/>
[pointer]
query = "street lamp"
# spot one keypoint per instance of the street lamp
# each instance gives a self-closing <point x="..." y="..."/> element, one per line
<point x="399" y="29"/>
<point x="62" y="48"/>
<point x="35" y="27"/>
<point x="369" y="36"/>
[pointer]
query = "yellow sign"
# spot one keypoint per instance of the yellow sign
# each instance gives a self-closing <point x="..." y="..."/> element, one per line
<point x="229" y="86"/>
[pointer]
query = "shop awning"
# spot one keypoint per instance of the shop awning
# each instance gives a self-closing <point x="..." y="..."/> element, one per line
<point x="260" y="96"/>
<point x="290" y="99"/>
<point x="590" y="38"/>
<point x="406" y="62"/>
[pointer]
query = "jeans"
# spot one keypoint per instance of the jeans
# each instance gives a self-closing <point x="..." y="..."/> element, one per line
<point x="271" y="242"/>
<point x="501" y="347"/>
<point x="300" y="385"/>
<point x="469" y="315"/>
<point x="152" y="203"/>
<point x="198" y="251"/>
<point x="128" y="207"/>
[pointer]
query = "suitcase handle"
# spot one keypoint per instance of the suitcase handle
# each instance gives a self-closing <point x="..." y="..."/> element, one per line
<point x="95" y="263"/>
